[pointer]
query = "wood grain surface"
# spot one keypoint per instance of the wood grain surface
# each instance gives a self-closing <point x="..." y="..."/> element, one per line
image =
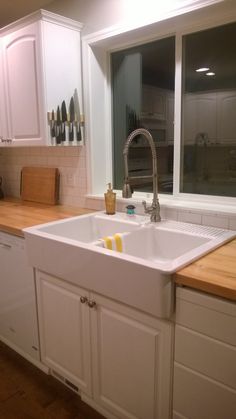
<point x="16" y="214"/>
<point x="40" y="184"/>
<point x="214" y="273"/>
<point x="28" y="393"/>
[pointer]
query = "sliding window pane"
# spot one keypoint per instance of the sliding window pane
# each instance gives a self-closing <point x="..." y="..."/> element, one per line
<point x="209" y="112"/>
<point x="143" y="96"/>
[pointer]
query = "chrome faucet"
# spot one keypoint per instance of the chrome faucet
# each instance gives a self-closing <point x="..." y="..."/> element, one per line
<point x="154" y="209"/>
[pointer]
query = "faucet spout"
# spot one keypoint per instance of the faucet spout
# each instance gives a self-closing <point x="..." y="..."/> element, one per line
<point x="154" y="209"/>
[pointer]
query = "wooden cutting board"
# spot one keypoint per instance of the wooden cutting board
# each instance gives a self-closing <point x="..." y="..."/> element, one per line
<point x="40" y="184"/>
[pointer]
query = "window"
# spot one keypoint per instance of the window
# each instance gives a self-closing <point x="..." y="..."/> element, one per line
<point x="108" y="57"/>
<point x="209" y="112"/>
<point x="143" y="96"/>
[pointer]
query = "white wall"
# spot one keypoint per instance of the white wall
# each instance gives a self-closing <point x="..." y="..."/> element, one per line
<point x="99" y="14"/>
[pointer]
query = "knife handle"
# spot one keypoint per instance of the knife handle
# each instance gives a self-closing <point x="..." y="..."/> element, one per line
<point x="71" y="131"/>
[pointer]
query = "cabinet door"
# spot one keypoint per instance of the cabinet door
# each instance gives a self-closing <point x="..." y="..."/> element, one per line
<point x="23" y="88"/>
<point x="132" y="360"/>
<point x="64" y="330"/>
<point x="2" y="99"/>
<point x="18" y="319"/>
<point x="226" y="102"/>
<point x="170" y="117"/>
<point x="199" y="118"/>
<point x="153" y="102"/>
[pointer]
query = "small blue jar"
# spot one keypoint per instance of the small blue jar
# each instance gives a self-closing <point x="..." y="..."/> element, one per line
<point x="130" y="210"/>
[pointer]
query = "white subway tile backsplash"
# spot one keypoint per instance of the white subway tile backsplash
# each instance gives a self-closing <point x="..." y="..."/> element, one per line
<point x="232" y="223"/>
<point x="189" y="217"/>
<point x="215" y="221"/>
<point x="69" y="160"/>
<point x="171" y="214"/>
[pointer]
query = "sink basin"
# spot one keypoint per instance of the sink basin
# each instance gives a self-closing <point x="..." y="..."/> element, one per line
<point x="140" y="276"/>
<point x="170" y="245"/>
<point x="90" y="228"/>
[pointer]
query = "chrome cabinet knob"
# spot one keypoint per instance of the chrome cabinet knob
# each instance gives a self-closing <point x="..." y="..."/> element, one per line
<point x="83" y="300"/>
<point x="91" y="303"/>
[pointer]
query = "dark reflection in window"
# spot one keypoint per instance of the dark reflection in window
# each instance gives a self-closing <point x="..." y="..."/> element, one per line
<point x="209" y="112"/>
<point x="143" y="96"/>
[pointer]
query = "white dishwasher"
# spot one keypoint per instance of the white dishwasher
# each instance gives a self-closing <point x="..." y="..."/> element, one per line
<point x="18" y="316"/>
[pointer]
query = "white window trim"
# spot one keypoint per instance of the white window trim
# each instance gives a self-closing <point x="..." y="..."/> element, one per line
<point x="97" y="48"/>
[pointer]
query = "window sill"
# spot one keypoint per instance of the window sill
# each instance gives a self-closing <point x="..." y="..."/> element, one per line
<point x="186" y="203"/>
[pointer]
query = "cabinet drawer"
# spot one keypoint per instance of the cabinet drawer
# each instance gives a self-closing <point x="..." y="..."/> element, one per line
<point x="202" y="397"/>
<point x="206" y="355"/>
<point x="212" y="316"/>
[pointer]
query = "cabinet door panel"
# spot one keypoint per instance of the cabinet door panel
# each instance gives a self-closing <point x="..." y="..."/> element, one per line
<point x="18" y="319"/>
<point x="23" y="91"/>
<point x="64" y="327"/>
<point x="206" y="355"/>
<point x="196" y="396"/>
<point x="227" y="117"/>
<point x="131" y="379"/>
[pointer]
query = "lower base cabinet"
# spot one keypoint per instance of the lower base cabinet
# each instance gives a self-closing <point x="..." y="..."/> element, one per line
<point x="205" y="357"/>
<point x="118" y="357"/>
<point x="18" y="316"/>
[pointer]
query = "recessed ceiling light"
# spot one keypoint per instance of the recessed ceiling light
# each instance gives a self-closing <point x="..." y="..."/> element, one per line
<point x="210" y="73"/>
<point x="201" y="69"/>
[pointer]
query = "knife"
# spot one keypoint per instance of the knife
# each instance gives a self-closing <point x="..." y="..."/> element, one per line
<point x="63" y="119"/>
<point x="58" y="127"/>
<point x="77" y="116"/>
<point x="53" y="132"/>
<point x="72" y="119"/>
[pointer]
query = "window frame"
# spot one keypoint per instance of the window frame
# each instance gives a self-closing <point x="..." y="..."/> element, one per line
<point x="97" y="49"/>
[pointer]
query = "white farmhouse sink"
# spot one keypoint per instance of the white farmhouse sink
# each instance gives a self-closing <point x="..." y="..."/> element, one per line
<point x="140" y="276"/>
<point x="90" y="228"/>
<point x="171" y="245"/>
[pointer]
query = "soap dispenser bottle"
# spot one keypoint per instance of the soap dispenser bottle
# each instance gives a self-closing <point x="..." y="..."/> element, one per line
<point x="110" y="200"/>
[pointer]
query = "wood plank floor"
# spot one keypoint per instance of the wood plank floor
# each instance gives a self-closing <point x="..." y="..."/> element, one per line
<point x="28" y="393"/>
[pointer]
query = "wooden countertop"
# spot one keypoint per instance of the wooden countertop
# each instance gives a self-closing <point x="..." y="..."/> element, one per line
<point x="214" y="273"/>
<point x="16" y="214"/>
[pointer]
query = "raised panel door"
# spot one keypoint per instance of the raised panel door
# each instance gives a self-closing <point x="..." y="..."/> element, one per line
<point x="18" y="318"/>
<point x="22" y="76"/>
<point x="131" y="358"/>
<point x="64" y="330"/>
<point x="226" y="117"/>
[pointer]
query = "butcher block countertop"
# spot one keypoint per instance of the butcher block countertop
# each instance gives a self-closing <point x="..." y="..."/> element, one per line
<point x="16" y="214"/>
<point x="214" y="273"/>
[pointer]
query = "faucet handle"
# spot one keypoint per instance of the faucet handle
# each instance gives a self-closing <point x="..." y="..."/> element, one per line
<point x="146" y="209"/>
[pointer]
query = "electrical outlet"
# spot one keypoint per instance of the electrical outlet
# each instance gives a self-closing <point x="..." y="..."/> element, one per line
<point x="70" y="180"/>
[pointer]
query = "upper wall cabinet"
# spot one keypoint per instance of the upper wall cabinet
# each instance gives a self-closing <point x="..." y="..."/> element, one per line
<point x="154" y="103"/>
<point x="40" y="68"/>
<point x="209" y="118"/>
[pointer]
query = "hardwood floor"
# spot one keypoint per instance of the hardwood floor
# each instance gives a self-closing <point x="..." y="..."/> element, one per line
<point x="28" y="393"/>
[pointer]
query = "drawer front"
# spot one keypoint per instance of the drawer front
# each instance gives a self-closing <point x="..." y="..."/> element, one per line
<point x="196" y="396"/>
<point x="211" y="316"/>
<point x="206" y="355"/>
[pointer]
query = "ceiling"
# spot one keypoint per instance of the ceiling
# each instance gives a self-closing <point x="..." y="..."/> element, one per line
<point x="12" y="10"/>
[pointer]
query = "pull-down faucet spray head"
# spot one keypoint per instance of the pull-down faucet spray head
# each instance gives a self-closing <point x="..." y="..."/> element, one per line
<point x="154" y="209"/>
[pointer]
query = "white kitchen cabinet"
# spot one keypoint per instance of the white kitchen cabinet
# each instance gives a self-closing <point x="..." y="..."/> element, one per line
<point x="200" y="117"/>
<point x="41" y="67"/>
<point x="64" y="330"/>
<point x="18" y="318"/>
<point x="130" y="362"/>
<point x="153" y="102"/>
<point x="226" y="121"/>
<point x="170" y="104"/>
<point x="205" y="356"/>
